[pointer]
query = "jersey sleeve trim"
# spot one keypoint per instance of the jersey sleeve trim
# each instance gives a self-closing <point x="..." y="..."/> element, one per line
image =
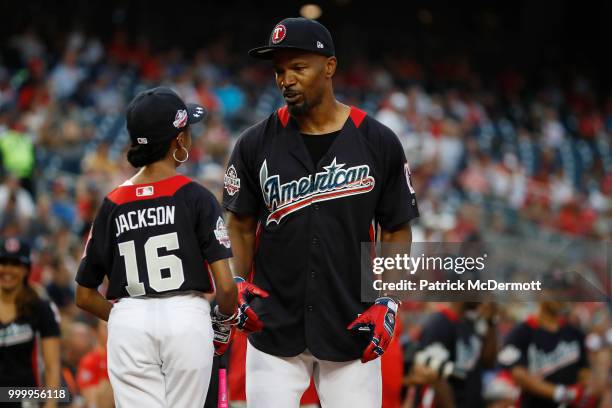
<point x="86" y="284"/>
<point x="233" y="208"/>
<point x="137" y="192"/>
<point x="397" y="224"/>
<point x="218" y="256"/>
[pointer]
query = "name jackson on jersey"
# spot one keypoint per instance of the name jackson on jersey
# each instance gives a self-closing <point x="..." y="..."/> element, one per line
<point x="335" y="182"/>
<point x="147" y="217"/>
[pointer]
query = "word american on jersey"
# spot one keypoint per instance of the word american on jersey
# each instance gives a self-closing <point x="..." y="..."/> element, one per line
<point x="334" y="182"/>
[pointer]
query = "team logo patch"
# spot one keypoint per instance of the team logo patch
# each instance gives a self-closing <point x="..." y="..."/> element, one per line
<point x="221" y="233"/>
<point x="335" y="182"/>
<point x="180" y="119"/>
<point x="231" y="182"/>
<point x="144" y="191"/>
<point x="279" y="33"/>
<point x="142" y="140"/>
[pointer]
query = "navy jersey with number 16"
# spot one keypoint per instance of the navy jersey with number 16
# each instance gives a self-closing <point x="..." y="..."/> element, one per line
<point x="155" y="238"/>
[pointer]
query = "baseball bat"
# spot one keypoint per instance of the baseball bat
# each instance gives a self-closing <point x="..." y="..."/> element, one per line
<point x="222" y="401"/>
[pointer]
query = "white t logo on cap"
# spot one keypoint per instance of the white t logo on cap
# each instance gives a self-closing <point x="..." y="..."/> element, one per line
<point x="279" y="33"/>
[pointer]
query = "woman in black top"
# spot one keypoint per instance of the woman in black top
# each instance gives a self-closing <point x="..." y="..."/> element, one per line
<point x="23" y="316"/>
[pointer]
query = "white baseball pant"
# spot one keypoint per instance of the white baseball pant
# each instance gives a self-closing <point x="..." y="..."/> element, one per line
<point x="160" y="351"/>
<point x="279" y="382"/>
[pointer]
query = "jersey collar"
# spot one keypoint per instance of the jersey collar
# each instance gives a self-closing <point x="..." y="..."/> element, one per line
<point x="297" y="148"/>
<point x="356" y="115"/>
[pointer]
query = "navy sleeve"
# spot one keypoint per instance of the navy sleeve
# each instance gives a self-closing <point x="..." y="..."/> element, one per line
<point x="438" y="337"/>
<point x="397" y="204"/>
<point x="514" y="351"/>
<point x="240" y="190"/>
<point x="583" y="361"/>
<point x="48" y="324"/>
<point x="210" y="228"/>
<point x="92" y="267"/>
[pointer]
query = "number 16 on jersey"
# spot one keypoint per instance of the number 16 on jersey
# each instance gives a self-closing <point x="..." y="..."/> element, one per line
<point x="155" y="265"/>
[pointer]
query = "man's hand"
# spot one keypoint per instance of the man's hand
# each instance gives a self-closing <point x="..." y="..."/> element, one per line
<point x="248" y="321"/>
<point x="421" y="375"/>
<point x="379" y="319"/>
<point x="223" y="328"/>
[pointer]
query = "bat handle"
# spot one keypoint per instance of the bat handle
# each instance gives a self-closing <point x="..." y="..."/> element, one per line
<point x="222" y="400"/>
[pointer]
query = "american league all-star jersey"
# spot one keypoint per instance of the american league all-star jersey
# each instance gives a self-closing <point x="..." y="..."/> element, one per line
<point x="155" y="239"/>
<point x="556" y="357"/>
<point x="312" y="219"/>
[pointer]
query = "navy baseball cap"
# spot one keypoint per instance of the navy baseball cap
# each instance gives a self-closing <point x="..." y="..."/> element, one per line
<point x="298" y="34"/>
<point x="159" y="114"/>
<point x="14" y="250"/>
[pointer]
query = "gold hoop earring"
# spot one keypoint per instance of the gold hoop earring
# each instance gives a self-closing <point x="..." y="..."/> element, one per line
<point x="186" y="155"/>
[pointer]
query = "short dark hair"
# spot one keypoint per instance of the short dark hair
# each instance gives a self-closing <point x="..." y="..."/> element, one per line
<point x="141" y="155"/>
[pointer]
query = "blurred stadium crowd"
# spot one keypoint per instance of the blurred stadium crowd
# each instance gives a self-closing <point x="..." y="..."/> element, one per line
<point x="501" y="158"/>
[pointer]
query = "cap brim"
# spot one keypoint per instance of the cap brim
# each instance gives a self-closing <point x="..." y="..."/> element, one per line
<point x="196" y="113"/>
<point x="15" y="258"/>
<point x="267" y="52"/>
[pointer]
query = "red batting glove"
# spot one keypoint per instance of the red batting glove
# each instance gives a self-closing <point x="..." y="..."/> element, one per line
<point x="378" y="319"/>
<point x="583" y="399"/>
<point x="248" y="321"/>
<point x="576" y="396"/>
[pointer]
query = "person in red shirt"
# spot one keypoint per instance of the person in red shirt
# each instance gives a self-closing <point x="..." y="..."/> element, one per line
<point x="392" y="366"/>
<point x="92" y="375"/>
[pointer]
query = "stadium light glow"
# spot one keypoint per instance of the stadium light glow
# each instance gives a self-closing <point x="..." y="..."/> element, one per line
<point x="311" y="11"/>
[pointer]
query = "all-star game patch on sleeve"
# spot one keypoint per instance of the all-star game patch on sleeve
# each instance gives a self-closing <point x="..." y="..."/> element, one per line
<point x="210" y="228"/>
<point x="240" y="191"/>
<point x="93" y="266"/>
<point x="397" y="203"/>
